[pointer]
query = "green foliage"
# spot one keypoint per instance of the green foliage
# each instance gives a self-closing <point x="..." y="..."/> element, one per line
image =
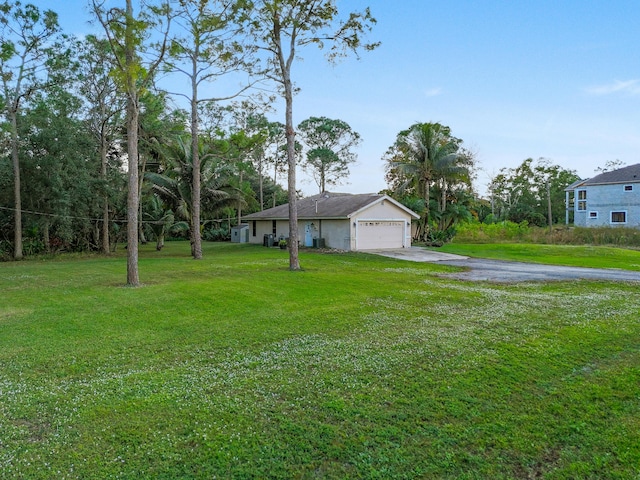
<point x="491" y="232"/>
<point x="509" y="231"/>
<point x="609" y="166"/>
<point x="217" y="234"/>
<point x="234" y="367"/>
<point x="29" y="59"/>
<point x="24" y="33"/>
<point x="522" y="194"/>
<point x="129" y="37"/>
<point x="174" y="184"/>
<point x="426" y="162"/>
<point x="209" y="42"/>
<point x="602" y="236"/>
<point x="59" y="173"/>
<point x="6" y="250"/>
<point x="329" y="149"/>
<point x="158" y="218"/>
<point x="416" y="204"/>
<point x="311" y="22"/>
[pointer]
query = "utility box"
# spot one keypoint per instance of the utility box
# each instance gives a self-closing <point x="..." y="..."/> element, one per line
<point x="268" y="240"/>
<point x="318" y="243"/>
<point x="240" y="233"/>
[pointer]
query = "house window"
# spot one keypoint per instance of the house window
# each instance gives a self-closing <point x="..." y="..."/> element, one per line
<point x="618" y="217"/>
<point x="273" y="227"/>
<point x="628" y="188"/>
<point x="593" y="214"/>
<point x="254" y="228"/>
<point x="582" y="200"/>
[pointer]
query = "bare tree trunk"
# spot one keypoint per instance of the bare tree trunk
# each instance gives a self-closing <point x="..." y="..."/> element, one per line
<point x="427" y="193"/>
<point x="160" y="240"/>
<point x="196" y="238"/>
<point x="17" y="237"/>
<point x="285" y="69"/>
<point x="240" y="199"/>
<point x="105" y="207"/>
<point x="143" y="167"/>
<point x="294" y="262"/>
<point x="275" y="181"/>
<point x="549" y="212"/>
<point x="261" y="179"/>
<point x="133" y="278"/>
<point x="45" y="237"/>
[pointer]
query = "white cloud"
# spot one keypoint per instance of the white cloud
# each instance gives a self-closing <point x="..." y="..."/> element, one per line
<point x="433" y="92"/>
<point x="631" y="87"/>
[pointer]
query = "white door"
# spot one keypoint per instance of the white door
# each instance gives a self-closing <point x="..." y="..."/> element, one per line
<point x="380" y="234"/>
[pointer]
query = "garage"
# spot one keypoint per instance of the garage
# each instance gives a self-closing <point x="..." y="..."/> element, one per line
<point x="380" y="234"/>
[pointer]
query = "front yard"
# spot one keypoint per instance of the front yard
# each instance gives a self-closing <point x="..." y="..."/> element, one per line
<point x="359" y="366"/>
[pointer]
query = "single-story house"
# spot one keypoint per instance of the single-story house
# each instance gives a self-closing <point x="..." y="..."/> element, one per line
<point x="609" y="199"/>
<point x="338" y="220"/>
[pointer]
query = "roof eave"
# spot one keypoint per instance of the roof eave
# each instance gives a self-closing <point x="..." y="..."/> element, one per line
<point x="619" y="182"/>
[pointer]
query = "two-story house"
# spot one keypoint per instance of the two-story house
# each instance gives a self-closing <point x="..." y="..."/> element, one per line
<point x="608" y="199"/>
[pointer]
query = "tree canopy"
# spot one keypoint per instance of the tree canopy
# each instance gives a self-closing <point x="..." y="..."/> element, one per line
<point x="428" y="164"/>
<point x="523" y="193"/>
<point x="330" y="145"/>
<point x="27" y="64"/>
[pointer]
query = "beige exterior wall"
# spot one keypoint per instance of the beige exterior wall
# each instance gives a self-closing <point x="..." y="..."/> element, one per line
<point x="334" y="232"/>
<point x="265" y="227"/>
<point x="384" y="209"/>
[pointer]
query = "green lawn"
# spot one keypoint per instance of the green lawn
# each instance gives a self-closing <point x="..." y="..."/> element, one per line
<point x="357" y="367"/>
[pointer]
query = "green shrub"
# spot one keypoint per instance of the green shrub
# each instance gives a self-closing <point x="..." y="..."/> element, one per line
<point x="559" y="235"/>
<point x="6" y="250"/>
<point x="217" y="234"/>
<point x="437" y="238"/>
<point x="491" y="233"/>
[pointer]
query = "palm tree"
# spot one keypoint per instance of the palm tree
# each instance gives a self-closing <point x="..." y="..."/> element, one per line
<point x="160" y="219"/>
<point x="457" y="209"/>
<point x="174" y="183"/>
<point x="423" y="156"/>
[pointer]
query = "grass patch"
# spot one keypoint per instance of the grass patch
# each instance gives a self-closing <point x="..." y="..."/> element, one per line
<point x="357" y="367"/>
<point x="559" y="235"/>
<point x="570" y="255"/>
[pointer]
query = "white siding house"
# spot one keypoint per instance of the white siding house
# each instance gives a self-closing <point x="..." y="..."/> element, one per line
<point x="338" y="220"/>
<point x="609" y="199"/>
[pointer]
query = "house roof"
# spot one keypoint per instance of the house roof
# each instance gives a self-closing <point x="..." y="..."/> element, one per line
<point x="628" y="174"/>
<point x="328" y="205"/>
<point x="574" y="185"/>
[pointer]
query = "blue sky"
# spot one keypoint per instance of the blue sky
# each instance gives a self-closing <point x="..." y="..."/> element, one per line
<point x="513" y="79"/>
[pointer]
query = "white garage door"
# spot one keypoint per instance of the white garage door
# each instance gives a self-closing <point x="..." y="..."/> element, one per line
<point x="374" y="234"/>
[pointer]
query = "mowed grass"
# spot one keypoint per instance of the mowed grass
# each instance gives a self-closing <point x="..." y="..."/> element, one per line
<point x="357" y="367"/>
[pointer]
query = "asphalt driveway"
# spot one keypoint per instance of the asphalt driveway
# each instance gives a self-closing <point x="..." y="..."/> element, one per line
<point x="508" y="272"/>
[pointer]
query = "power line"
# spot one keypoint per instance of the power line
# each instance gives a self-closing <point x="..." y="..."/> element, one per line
<point x="55" y="215"/>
